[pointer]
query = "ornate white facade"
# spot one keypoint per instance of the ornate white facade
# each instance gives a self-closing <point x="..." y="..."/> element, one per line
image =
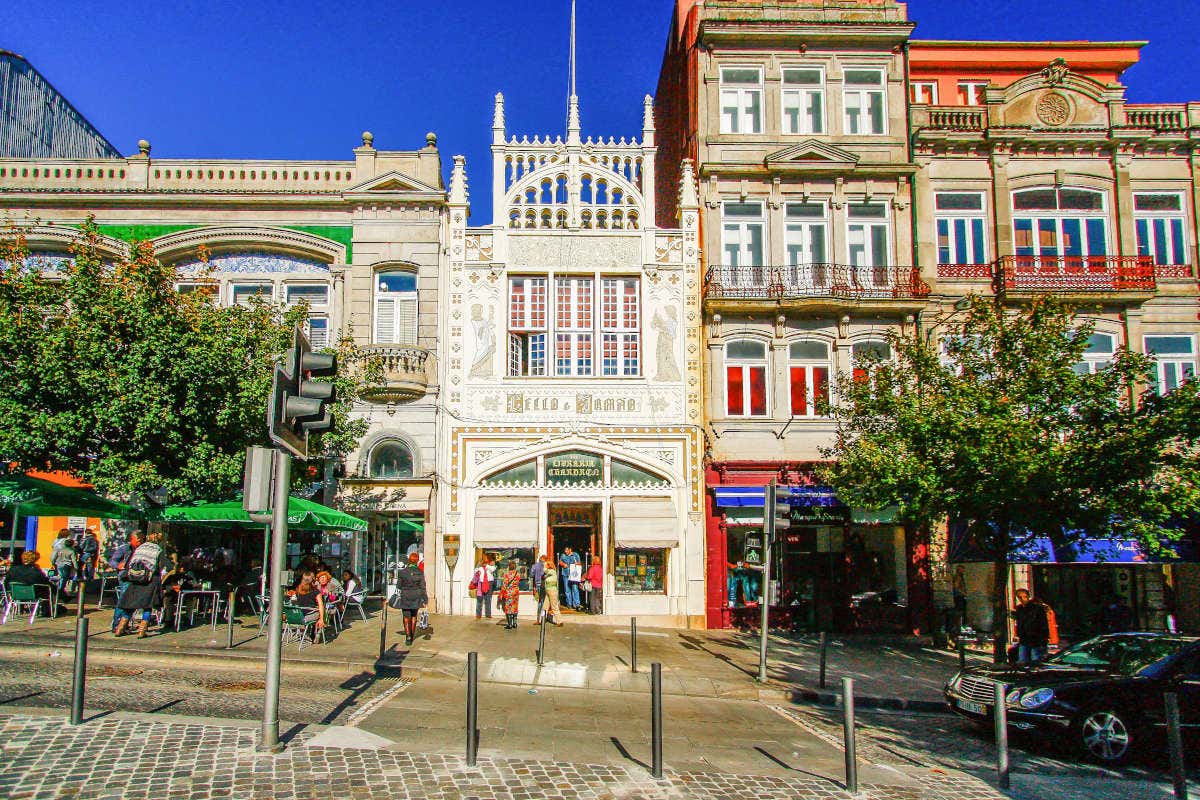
<point x="571" y="373"/>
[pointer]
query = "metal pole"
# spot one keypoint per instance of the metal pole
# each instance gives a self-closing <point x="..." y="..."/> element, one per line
<point x="848" y="733"/>
<point x="633" y="643"/>
<point x="80" y="675"/>
<point x="824" y="650"/>
<point x="472" y="706"/>
<point x="768" y="538"/>
<point x="1175" y="745"/>
<point x="383" y="623"/>
<point x="1000" y="718"/>
<point x="542" y="638"/>
<point x="12" y="549"/>
<point x="962" y="652"/>
<point x="656" y="769"/>
<point x="279" y="529"/>
<point x="262" y="579"/>
<point x="229" y="616"/>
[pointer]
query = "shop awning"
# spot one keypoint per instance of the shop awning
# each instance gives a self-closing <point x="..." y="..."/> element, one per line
<point x="755" y="496"/>
<point x="645" y="522"/>
<point x="965" y="547"/>
<point x="506" y="522"/>
<point x="303" y="515"/>
<point x="34" y="497"/>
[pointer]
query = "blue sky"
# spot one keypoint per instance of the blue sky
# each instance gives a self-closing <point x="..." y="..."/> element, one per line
<point x="302" y="80"/>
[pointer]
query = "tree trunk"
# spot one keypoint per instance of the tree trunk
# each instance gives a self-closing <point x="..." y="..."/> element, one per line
<point x="1000" y="611"/>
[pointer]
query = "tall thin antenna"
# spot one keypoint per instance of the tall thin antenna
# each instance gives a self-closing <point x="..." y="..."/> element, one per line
<point x="572" y="70"/>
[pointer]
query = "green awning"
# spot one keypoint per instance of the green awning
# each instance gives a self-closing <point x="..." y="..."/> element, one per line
<point x="884" y="516"/>
<point x="410" y="524"/>
<point x="303" y="515"/>
<point x="34" y="497"/>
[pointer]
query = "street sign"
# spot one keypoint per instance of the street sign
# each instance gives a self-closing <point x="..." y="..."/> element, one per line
<point x="450" y="543"/>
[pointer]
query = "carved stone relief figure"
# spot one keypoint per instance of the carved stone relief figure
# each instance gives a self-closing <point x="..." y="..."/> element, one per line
<point x="485" y="341"/>
<point x="667" y="326"/>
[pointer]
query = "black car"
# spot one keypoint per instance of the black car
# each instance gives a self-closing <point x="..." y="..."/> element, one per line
<point x="1103" y="696"/>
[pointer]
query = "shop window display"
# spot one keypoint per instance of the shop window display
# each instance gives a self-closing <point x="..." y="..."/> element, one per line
<point x="521" y="556"/>
<point x="640" y="571"/>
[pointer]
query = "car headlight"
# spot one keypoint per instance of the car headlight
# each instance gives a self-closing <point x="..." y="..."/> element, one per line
<point x="954" y="682"/>
<point x="1036" y="697"/>
<point x="1012" y="697"/>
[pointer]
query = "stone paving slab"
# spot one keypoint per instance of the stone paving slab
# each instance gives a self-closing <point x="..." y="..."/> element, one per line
<point x="121" y="756"/>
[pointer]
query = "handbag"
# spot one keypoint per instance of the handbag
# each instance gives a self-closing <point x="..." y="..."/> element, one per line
<point x="586" y="586"/>
<point x="423" y="619"/>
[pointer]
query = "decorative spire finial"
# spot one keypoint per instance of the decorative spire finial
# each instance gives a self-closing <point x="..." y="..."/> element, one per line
<point x="648" y="113"/>
<point x="688" y="197"/>
<point x="458" y="182"/>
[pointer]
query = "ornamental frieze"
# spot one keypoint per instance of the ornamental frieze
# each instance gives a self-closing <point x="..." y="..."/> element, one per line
<point x="610" y="251"/>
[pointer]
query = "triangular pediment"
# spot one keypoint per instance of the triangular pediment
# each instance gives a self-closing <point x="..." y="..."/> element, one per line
<point x="391" y="182"/>
<point x="813" y="152"/>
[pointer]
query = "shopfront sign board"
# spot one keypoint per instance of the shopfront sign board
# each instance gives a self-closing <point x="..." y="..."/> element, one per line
<point x="450" y="544"/>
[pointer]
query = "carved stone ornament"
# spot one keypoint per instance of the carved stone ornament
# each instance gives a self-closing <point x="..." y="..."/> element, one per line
<point x="1056" y="72"/>
<point x="1053" y="109"/>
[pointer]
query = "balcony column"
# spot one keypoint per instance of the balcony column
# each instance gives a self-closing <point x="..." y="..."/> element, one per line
<point x="1001" y="206"/>
<point x="781" y="407"/>
<point x="1122" y="212"/>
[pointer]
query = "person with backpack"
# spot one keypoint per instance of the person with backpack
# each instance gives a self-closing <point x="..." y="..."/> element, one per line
<point x="117" y="562"/>
<point x="482" y="582"/>
<point x="144" y="576"/>
<point x="63" y="558"/>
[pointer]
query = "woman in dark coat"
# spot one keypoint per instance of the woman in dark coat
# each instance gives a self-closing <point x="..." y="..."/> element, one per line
<point x="146" y="596"/>
<point x="411" y="595"/>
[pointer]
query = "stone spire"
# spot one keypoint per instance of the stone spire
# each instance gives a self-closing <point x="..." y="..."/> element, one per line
<point x="688" y="197"/>
<point x="459" y="196"/>
<point x="498" y="120"/>
<point x="573" y="126"/>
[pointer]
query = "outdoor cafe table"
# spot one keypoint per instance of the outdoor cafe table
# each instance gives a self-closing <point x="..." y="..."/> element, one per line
<point x="214" y="593"/>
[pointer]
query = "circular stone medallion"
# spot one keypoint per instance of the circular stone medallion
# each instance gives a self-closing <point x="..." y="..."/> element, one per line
<point x="1053" y="109"/>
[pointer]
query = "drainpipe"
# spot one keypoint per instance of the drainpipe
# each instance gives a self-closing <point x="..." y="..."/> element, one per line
<point x="908" y="144"/>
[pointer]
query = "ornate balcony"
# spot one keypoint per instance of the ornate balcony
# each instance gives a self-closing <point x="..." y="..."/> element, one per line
<point x="1076" y="274"/>
<point x="806" y="282"/>
<point x="395" y="373"/>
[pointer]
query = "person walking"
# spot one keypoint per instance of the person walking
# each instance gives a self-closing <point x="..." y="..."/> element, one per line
<point x="1033" y="628"/>
<point x="594" y="582"/>
<point x="410" y="589"/>
<point x="553" y="607"/>
<point x="537" y="579"/>
<point x="118" y="562"/>
<point x="572" y="575"/>
<point x="483" y="582"/>
<point x="89" y="547"/>
<point x="510" y="594"/>
<point x="63" y="558"/>
<point x="144" y="576"/>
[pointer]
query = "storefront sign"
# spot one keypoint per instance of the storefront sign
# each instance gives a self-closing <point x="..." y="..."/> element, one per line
<point x="584" y="516"/>
<point x="574" y="469"/>
<point x="818" y="515"/>
<point x="450" y="543"/>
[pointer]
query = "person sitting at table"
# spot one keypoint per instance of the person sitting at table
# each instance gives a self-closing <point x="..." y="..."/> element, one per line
<point x="307" y="595"/>
<point x="173" y="583"/>
<point x="28" y="573"/>
<point x="330" y="586"/>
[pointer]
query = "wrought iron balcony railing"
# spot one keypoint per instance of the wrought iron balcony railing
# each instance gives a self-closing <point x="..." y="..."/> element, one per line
<point x="1075" y="273"/>
<point x="800" y="281"/>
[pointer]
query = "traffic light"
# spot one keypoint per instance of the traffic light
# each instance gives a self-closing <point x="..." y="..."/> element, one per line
<point x="299" y="405"/>
<point x="783" y="508"/>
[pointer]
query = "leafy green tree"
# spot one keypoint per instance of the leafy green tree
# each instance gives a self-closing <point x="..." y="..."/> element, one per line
<point x="107" y="372"/>
<point x="996" y="426"/>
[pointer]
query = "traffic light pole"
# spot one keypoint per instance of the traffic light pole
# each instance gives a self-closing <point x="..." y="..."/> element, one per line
<point x="279" y="531"/>
<point x="768" y="541"/>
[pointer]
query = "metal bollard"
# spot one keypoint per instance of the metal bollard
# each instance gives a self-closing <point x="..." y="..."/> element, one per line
<point x="542" y="639"/>
<point x="656" y="747"/>
<point x="1175" y="745"/>
<point x="383" y="625"/>
<point x="472" y="706"/>
<point x="633" y="643"/>
<point x="1000" y="719"/>
<point x="229" y="609"/>
<point x="848" y="735"/>
<point x="824" y="651"/>
<point x="962" y="652"/>
<point x="80" y="675"/>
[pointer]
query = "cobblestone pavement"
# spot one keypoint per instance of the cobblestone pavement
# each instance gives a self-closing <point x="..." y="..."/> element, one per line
<point x="915" y="741"/>
<point x="123" y="757"/>
<point x="234" y="692"/>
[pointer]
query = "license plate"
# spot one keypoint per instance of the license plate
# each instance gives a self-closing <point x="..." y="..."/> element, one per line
<point x="972" y="707"/>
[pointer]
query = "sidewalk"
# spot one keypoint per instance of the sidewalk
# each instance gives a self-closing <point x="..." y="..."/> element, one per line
<point x="162" y="757"/>
<point x="888" y="672"/>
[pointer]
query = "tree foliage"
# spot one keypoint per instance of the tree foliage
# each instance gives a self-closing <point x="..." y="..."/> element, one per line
<point x="108" y="372"/>
<point x="996" y="426"/>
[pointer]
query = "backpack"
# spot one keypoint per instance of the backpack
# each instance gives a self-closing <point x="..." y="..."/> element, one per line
<point x="139" y="573"/>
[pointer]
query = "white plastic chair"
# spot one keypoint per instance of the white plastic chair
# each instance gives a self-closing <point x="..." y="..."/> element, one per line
<point x="354" y="598"/>
<point x="18" y="597"/>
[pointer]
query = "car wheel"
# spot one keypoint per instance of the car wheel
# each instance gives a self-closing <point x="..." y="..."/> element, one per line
<point x="1105" y="735"/>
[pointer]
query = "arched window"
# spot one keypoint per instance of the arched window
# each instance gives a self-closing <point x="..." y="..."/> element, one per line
<point x="1098" y="355"/>
<point x="809" y="368"/>
<point x="1062" y="225"/>
<point x="746" y="378"/>
<point x="396" y="307"/>
<point x="391" y="459"/>
<point x="867" y="353"/>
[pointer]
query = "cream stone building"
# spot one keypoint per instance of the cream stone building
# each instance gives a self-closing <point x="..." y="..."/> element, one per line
<point x="357" y="239"/>
<point x="571" y="389"/>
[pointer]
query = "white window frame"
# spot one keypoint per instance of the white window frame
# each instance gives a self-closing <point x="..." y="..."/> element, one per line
<point x="1091" y="363"/>
<point x="807" y="366"/>
<point x="745" y="98"/>
<point x="862" y="93"/>
<point x="211" y="288"/>
<point x="1174" y="228"/>
<point x="526" y="337"/>
<point x="268" y="295"/>
<point x="621" y="327"/>
<point x="398" y="332"/>
<point x="801" y="98"/>
<point x="969" y="218"/>
<point x="740" y="228"/>
<point x="972" y="93"/>
<point x="1171" y="370"/>
<point x="1059" y="216"/>
<point x="932" y="90"/>
<point x="289" y="285"/>
<point x="745" y="365"/>
<point x="575" y="298"/>
<point x="318" y="342"/>
<point x="868" y="224"/>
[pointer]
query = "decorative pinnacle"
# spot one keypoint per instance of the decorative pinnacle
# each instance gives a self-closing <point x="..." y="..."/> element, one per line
<point x="458" y="182"/>
<point x="573" y="115"/>
<point x="498" y="115"/>
<point x="368" y="139"/>
<point x="648" y="113"/>
<point x="688" y="197"/>
<point x="431" y="139"/>
<point x="143" y="147"/>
